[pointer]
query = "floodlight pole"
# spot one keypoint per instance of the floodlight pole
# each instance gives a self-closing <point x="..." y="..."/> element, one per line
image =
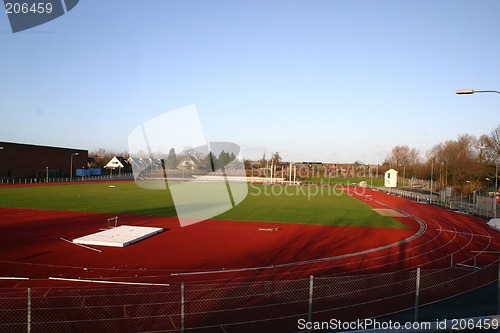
<point x="71" y="166"/>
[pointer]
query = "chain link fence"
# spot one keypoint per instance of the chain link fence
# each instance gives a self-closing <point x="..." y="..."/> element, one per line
<point x="474" y="203"/>
<point x="74" y="179"/>
<point x="259" y="306"/>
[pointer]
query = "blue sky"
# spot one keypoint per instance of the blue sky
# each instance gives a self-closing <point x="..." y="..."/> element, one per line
<point x="315" y="80"/>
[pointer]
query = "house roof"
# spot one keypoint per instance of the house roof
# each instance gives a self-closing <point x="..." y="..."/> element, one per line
<point x="189" y="158"/>
<point x="114" y="163"/>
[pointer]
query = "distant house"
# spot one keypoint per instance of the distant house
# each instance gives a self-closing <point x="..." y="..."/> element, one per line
<point x="391" y="178"/>
<point x="188" y="163"/>
<point x="115" y="163"/>
<point x="124" y="161"/>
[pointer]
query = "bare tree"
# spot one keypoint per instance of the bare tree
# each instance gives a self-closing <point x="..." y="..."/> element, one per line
<point x="403" y="155"/>
<point x="491" y="144"/>
<point x="457" y="161"/>
<point x="276" y="158"/>
<point x="405" y="160"/>
<point x="101" y="156"/>
<point x="263" y="161"/>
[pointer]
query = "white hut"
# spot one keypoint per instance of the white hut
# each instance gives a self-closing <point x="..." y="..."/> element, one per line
<point x="391" y="178"/>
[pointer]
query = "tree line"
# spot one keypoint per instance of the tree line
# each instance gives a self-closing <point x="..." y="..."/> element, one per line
<point x="468" y="163"/>
<point x="203" y="161"/>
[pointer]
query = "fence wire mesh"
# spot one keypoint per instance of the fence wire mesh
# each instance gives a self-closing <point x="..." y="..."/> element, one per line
<point x="260" y="306"/>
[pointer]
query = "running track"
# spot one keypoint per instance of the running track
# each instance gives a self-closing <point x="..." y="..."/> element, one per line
<point x="30" y="247"/>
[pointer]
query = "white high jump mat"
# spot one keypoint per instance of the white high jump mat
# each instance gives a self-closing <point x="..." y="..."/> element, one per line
<point x="119" y="237"/>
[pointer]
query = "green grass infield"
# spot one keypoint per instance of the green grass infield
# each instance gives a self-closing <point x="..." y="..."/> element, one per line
<point x="345" y="181"/>
<point x="322" y="205"/>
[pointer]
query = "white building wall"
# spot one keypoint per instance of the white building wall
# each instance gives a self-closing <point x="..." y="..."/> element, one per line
<point x="391" y="178"/>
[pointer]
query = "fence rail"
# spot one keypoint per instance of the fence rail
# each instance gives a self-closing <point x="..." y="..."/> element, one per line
<point x="259" y="306"/>
<point x="74" y="179"/>
<point x="478" y="205"/>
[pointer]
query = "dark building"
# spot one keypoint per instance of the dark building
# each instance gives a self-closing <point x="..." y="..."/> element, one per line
<point x="22" y="160"/>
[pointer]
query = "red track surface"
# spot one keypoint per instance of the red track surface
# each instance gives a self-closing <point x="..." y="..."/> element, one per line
<point x="447" y="233"/>
<point x="217" y="251"/>
<point x="30" y="246"/>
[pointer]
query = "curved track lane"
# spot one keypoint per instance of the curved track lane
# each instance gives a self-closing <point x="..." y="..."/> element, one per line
<point x="225" y="250"/>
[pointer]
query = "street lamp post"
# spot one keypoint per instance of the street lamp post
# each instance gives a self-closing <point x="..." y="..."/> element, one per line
<point x="404" y="173"/>
<point x="468" y="185"/>
<point x="432" y="171"/>
<point x="472" y="91"/>
<point x="496" y="191"/>
<point x="71" y="167"/>
<point x="1" y="148"/>
<point x="469" y="92"/>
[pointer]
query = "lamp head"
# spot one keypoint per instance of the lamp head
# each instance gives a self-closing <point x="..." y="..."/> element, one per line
<point x="465" y="91"/>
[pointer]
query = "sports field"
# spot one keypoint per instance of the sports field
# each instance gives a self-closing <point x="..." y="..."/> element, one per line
<point x="312" y="229"/>
<point x="322" y="205"/>
<point x="278" y="236"/>
<point x="313" y="222"/>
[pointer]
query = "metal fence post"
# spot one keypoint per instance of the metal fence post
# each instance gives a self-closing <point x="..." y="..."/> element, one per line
<point x="29" y="311"/>
<point x="182" y="307"/>
<point x="311" y="284"/>
<point x="498" y="287"/>
<point x="417" y="294"/>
